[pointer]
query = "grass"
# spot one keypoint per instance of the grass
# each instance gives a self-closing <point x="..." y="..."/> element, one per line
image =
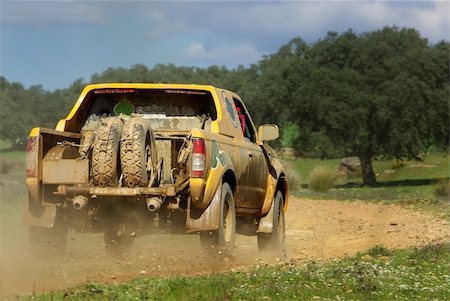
<point x="12" y="185"/>
<point x="411" y="183"/>
<point x="322" y="178"/>
<point x="433" y="166"/>
<point x="379" y="274"/>
<point x="442" y="188"/>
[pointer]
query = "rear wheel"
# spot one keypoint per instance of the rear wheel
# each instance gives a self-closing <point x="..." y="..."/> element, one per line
<point x="105" y="167"/>
<point x="117" y="240"/>
<point x="275" y="242"/>
<point x="120" y="231"/>
<point x="222" y="239"/>
<point x="49" y="242"/>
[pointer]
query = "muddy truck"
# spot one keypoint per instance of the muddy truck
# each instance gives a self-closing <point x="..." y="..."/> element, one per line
<point x="135" y="159"/>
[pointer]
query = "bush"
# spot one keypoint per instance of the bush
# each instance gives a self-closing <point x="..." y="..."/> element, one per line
<point x="399" y="164"/>
<point x="4" y="167"/>
<point x="379" y="251"/>
<point x="293" y="178"/>
<point x="322" y="178"/>
<point x="442" y="188"/>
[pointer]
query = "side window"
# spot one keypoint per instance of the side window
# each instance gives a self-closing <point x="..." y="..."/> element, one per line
<point x="244" y="119"/>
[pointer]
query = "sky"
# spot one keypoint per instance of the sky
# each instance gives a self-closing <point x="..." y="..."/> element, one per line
<point x="54" y="43"/>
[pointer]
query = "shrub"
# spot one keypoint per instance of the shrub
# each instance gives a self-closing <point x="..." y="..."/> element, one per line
<point x="4" y="167"/>
<point x="442" y="188"/>
<point x="292" y="177"/>
<point x="399" y="163"/>
<point x="322" y="178"/>
<point x="379" y="251"/>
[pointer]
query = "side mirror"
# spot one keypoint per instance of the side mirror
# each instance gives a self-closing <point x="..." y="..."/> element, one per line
<point x="268" y="132"/>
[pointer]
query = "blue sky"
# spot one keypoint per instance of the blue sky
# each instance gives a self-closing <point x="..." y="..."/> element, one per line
<point x="53" y="43"/>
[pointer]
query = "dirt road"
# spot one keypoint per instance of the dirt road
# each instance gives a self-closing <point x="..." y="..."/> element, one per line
<point x="316" y="230"/>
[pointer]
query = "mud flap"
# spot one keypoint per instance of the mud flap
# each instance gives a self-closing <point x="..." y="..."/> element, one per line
<point x="209" y="220"/>
<point x="47" y="219"/>
<point x="266" y="222"/>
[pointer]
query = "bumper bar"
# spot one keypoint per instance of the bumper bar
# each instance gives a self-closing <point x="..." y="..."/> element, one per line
<point x="166" y="190"/>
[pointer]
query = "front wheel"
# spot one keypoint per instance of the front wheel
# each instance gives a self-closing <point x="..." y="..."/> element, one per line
<point x="222" y="240"/>
<point x="275" y="242"/>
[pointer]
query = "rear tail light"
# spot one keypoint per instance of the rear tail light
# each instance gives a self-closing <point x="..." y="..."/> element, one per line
<point x="32" y="152"/>
<point x="198" y="157"/>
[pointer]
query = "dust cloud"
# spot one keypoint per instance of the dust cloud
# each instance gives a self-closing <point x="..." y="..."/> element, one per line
<point x="316" y="230"/>
<point x="159" y="255"/>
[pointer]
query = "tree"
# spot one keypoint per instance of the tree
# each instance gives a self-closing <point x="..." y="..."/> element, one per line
<point x="384" y="92"/>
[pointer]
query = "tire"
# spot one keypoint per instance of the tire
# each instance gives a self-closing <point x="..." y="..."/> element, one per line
<point x="118" y="236"/>
<point x="49" y="243"/>
<point x="221" y="241"/>
<point x="136" y="147"/>
<point x="275" y="242"/>
<point x="117" y="241"/>
<point x="105" y="168"/>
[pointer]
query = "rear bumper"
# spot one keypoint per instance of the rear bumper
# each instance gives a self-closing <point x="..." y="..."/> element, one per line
<point x="166" y="190"/>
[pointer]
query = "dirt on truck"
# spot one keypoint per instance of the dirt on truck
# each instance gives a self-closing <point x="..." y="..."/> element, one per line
<point x="133" y="159"/>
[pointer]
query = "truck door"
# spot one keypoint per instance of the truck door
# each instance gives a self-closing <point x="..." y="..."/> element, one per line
<point x="257" y="168"/>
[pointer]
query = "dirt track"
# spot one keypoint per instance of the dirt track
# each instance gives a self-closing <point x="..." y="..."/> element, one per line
<point x="316" y="230"/>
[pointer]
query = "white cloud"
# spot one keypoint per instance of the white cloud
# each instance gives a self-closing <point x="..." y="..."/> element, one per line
<point x="161" y="24"/>
<point x="222" y="54"/>
<point x="37" y="14"/>
<point x="434" y="23"/>
<point x="272" y="23"/>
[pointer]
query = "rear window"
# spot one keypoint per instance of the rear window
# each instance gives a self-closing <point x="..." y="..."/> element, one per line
<point x="167" y="109"/>
<point x="161" y="103"/>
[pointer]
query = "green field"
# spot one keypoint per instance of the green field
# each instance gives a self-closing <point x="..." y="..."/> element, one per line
<point x="379" y="274"/>
<point x="413" y="184"/>
<point x="12" y="185"/>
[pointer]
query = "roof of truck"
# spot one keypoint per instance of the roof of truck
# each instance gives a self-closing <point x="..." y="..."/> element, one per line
<point x="150" y="86"/>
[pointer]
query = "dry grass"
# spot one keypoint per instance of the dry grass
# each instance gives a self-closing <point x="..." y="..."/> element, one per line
<point x="442" y="188"/>
<point x="322" y="178"/>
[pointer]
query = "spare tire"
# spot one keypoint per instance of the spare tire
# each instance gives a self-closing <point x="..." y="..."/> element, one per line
<point x="137" y="152"/>
<point x="105" y="167"/>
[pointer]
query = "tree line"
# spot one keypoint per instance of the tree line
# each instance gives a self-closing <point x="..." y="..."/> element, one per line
<point x="379" y="93"/>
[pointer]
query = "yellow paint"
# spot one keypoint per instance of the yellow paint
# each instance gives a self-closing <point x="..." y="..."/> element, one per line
<point x="231" y="140"/>
<point x="34" y="132"/>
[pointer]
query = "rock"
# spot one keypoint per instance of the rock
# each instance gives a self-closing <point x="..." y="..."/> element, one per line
<point x="350" y="166"/>
<point x="387" y="172"/>
<point x="366" y="257"/>
<point x="287" y="153"/>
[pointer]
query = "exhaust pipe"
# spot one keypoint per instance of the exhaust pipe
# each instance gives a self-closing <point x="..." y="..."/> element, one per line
<point x="79" y="202"/>
<point x="154" y="203"/>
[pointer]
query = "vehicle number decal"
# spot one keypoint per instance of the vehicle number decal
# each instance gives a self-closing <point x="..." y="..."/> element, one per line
<point x="231" y="110"/>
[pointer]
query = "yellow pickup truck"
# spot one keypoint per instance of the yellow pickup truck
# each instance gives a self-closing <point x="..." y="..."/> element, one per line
<point x="131" y="159"/>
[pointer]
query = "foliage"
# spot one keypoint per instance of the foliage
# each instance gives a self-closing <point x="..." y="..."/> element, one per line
<point x="293" y="178"/>
<point x="5" y="167"/>
<point x="442" y="188"/>
<point x="399" y="163"/>
<point x="379" y="93"/>
<point x="412" y="185"/>
<point x="383" y="92"/>
<point x="23" y="109"/>
<point x="411" y="274"/>
<point x="322" y="178"/>
<point x="289" y="133"/>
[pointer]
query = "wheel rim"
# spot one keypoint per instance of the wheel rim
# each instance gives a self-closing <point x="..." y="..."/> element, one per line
<point x="227" y="222"/>
<point x="280" y="230"/>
